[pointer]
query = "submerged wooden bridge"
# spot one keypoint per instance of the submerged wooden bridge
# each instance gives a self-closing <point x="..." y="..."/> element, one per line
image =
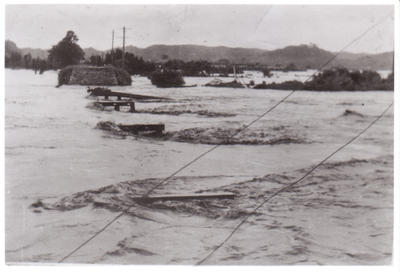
<point x="106" y="93"/>
<point x="131" y="128"/>
<point x="117" y="104"/>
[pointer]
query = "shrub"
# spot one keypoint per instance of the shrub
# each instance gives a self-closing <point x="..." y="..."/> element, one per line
<point x="64" y="75"/>
<point x="167" y="78"/>
<point x="288" y="85"/>
<point x="92" y="75"/>
<point x="336" y="79"/>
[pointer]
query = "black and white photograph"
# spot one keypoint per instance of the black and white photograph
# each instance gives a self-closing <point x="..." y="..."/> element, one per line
<point x="199" y="134"/>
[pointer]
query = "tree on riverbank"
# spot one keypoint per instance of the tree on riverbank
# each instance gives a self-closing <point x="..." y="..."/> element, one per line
<point x="66" y="52"/>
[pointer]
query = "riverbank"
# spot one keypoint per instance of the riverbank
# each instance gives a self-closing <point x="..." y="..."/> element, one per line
<point x="338" y="79"/>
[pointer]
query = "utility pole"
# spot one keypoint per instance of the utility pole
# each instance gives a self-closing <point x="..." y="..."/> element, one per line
<point x="123" y="47"/>
<point x="112" y="48"/>
<point x="393" y="64"/>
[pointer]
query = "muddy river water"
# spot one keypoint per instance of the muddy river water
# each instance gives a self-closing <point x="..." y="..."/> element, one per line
<point x="84" y="176"/>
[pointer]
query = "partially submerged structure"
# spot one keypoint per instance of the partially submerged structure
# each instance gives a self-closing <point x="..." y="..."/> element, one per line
<point x="219" y="83"/>
<point x="93" y="75"/>
<point x="167" y="78"/>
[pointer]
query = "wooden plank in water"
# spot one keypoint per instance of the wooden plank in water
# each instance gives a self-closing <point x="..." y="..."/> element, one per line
<point x="136" y="128"/>
<point x="112" y="103"/>
<point x="117" y="104"/>
<point x="188" y="197"/>
<point x="108" y="93"/>
<point x="135" y="96"/>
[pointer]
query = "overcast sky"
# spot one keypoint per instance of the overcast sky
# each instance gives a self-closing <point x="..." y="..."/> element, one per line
<point x="266" y="27"/>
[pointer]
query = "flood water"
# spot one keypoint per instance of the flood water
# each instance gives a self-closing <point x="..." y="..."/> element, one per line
<point x="342" y="214"/>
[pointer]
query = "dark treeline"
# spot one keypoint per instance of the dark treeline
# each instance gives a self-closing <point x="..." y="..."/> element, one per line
<point x="67" y="52"/>
<point x="337" y="79"/>
<point x="133" y="64"/>
<point x="18" y="61"/>
<point x="137" y="66"/>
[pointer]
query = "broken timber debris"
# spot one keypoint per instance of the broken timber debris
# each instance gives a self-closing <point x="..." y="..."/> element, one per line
<point x="149" y="199"/>
<point x="99" y="92"/>
<point x="117" y="104"/>
<point x="136" y="128"/>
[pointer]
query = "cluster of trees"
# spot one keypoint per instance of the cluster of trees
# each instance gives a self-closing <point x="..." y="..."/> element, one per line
<point x="192" y="68"/>
<point x="17" y="60"/>
<point x="66" y="52"/>
<point x="167" y="78"/>
<point x="222" y="68"/>
<point x="137" y="66"/>
<point x="337" y="79"/>
<point x="342" y="79"/>
<point x="133" y="64"/>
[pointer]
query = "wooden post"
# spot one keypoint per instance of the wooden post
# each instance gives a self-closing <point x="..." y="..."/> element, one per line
<point x="393" y="65"/>
<point x="188" y="197"/>
<point x="119" y="97"/>
<point x="116" y="107"/>
<point x="132" y="105"/>
<point x="123" y="48"/>
<point x="112" y="49"/>
<point x="106" y="97"/>
<point x="135" y="128"/>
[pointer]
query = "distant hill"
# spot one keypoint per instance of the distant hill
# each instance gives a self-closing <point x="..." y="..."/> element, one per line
<point x="9" y="48"/>
<point x="35" y="52"/>
<point x="381" y="61"/>
<point x="303" y="56"/>
<point x="90" y="51"/>
<point x="160" y="53"/>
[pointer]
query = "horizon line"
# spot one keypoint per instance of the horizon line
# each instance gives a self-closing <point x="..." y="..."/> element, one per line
<point x="211" y="46"/>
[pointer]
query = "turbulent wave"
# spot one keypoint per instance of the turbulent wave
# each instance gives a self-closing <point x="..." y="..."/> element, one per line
<point x="217" y="135"/>
<point x="173" y="110"/>
<point x="205" y="113"/>
<point x="323" y="220"/>
<point x="120" y="196"/>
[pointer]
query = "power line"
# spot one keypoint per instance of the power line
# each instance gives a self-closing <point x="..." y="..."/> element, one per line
<point x="270" y="109"/>
<point x="239" y="130"/>
<point x="284" y="188"/>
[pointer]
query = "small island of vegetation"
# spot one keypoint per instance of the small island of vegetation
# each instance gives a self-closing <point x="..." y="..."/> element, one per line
<point x="167" y="78"/>
<point x="92" y="75"/>
<point x="337" y="79"/>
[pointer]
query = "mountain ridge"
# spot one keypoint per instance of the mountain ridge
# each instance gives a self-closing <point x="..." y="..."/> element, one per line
<point x="302" y="56"/>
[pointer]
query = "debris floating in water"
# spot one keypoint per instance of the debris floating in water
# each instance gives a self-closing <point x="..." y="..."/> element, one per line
<point x="217" y="135"/>
<point x="348" y="112"/>
<point x="219" y="83"/>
